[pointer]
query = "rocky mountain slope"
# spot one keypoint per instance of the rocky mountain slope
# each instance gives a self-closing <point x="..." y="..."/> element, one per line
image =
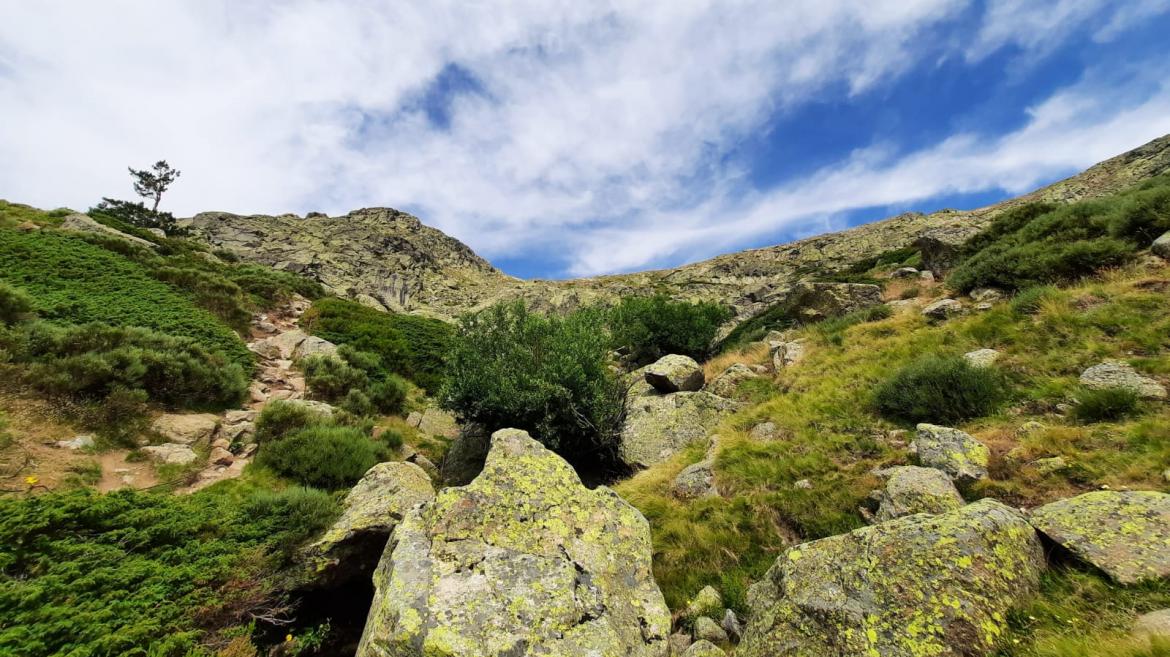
<point x="389" y="260"/>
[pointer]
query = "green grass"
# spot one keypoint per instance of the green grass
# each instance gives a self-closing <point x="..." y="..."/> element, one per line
<point x="73" y="281"/>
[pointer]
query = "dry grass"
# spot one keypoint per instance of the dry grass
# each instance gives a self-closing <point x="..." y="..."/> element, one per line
<point x="751" y="354"/>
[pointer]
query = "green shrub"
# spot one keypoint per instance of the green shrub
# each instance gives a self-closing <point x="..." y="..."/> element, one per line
<point x="1029" y="301"/>
<point x="547" y="375"/>
<point x="130" y="214"/>
<point x="90" y="361"/>
<point x="282" y="418"/>
<point x="134" y="573"/>
<point x="1107" y="405"/>
<point x="413" y="347"/>
<point x="121" y="417"/>
<point x="941" y="391"/>
<point x="294" y="514"/>
<point x="358" y="403"/>
<point x="15" y="304"/>
<point x="389" y="396"/>
<point x="652" y="327"/>
<point x="329" y="457"/>
<point x="332" y="378"/>
<point x="356" y="380"/>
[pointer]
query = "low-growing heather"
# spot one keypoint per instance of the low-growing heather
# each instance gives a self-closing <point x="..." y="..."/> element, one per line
<point x="1107" y="405"/>
<point x="329" y="457"/>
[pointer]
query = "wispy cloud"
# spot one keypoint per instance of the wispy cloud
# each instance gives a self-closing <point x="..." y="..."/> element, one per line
<point x="599" y="131"/>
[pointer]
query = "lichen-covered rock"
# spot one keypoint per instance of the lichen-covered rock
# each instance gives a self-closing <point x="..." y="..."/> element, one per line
<point x="707" y="602"/>
<point x="674" y="373"/>
<point x="731" y="625"/>
<point x="83" y="223"/>
<point x="281" y="345"/>
<point x="465" y="455"/>
<point x="695" y="480"/>
<point x="942" y="309"/>
<point x="787" y="354"/>
<point x="314" y="346"/>
<point x="707" y="629"/>
<point x="373" y="508"/>
<point x="763" y="431"/>
<point x="911" y="489"/>
<point x="703" y="648"/>
<point x="1125" y="534"/>
<point x="986" y="294"/>
<point x="171" y="453"/>
<point x="981" y="357"/>
<point x="186" y="428"/>
<point x="726" y="384"/>
<point x="658" y="426"/>
<point x="952" y="451"/>
<point x="437" y="422"/>
<point x="679" y="642"/>
<point x="523" y="561"/>
<point x="1117" y="374"/>
<point x="1161" y="246"/>
<point x="919" y="585"/>
<point x="813" y="301"/>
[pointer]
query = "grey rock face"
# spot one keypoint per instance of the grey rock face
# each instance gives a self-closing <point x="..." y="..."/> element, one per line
<point x="911" y="489"/>
<point x="171" y="453"/>
<point x="1125" y="534"/>
<point x="81" y="223"/>
<point x="950" y="577"/>
<point x="1117" y="374"/>
<point x="1161" y="246"/>
<point x="708" y="630"/>
<point x="954" y="452"/>
<point x="674" y="373"/>
<point x="465" y="456"/>
<point x="731" y="625"/>
<point x="695" y="480"/>
<point x="787" y="354"/>
<point x="942" y="309"/>
<point x="523" y="561"/>
<point x="658" y="426"/>
<point x="981" y="357"/>
<point x="703" y="648"/>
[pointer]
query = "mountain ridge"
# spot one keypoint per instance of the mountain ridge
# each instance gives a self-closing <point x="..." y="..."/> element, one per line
<point x="391" y="260"/>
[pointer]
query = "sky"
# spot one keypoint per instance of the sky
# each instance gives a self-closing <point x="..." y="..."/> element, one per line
<point x="568" y="138"/>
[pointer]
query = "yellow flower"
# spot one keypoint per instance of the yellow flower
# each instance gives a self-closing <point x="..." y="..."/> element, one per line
<point x="31" y="480"/>
<point x="288" y="637"/>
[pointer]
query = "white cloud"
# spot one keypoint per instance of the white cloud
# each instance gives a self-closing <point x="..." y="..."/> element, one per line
<point x="600" y="131"/>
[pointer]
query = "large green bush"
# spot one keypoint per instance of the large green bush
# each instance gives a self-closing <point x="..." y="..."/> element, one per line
<point x="941" y="391"/>
<point x="511" y="367"/>
<point x="1041" y="243"/>
<point x="414" y="347"/>
<point x="284" y="418"/>
<point x="357" y="380"/>
<point x="91" y="361"/>
<point x="329" y="457"/>
<point x="138" y="574"/>
<point x="652" y="327"/>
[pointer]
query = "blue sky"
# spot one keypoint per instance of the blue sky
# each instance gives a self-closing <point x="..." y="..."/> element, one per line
<point x="563" y="138"/>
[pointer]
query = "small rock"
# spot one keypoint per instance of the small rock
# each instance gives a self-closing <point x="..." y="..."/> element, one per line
<point x="1030" y="427"/>
<point x="695" y="480"/>
<point x="986" y="294"/>
<point x="1166" y="475"/>
<point x="80" y="442"/>
<point x="764" y="431"/>
<point x="658" y="426"/>
<point x="942" y="309"/>
<point x="266" y="327"/>
<point x="248" y="450"/>
<point x="220" y="456"/>
<point x="787" y="354"/>
<point x="708" y="630"/>
<point x="238" y="417"/>
<point x="1117" y="374"/>
<point x="731" y="625"/>
<point x="912" y="489"/>
<point x="952" y="451"/>
<point x="926" y="276"/>
<point x="707" y="602"/>
<point x="187" y="428"/>
<point x="221" y="442"/>
<point x="703" y="648"/>
<point x="1051" y="465"/>
<point x="983" y="306"/>
<point x="28" y="227"/>
<point x="679" y="642"/>
<point x="726" y="384"/>
<point x="436" y="422"/>
<point x="904" y="272"/>
<point x="675" y="373"/>
<point x="776" y="337"/>
<point x="981" y="357"/>
<point x="414" y="418"/>
<point x="314" y="346"/>
<point x="1161" y="246"/>
<point x="803" y="484"/>
<point x="1153" y="624"/>
<point x="171" y="453"/>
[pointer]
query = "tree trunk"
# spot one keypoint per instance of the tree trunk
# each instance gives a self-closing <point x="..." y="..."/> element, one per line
<point x="157" y="198"/>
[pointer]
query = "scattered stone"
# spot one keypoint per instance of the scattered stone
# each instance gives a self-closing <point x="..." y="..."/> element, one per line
<point x="314" y="346"/>
<point x="787" y="354"/>
<point x="731" y="625"/>
<point x="1125" y="534"/>
<point x="1051" y="465"/>
<point x="774" y="338"/>
<point x="764" y="431"/>
<point x="525" y="560"/>
<point x="1153" y="624"/>
<point x="414" y="418"/>
<point x="221" y="442"/>
<point x="1030" y="427"/>
<point x="707" y="602"/>
<point x="918" y="585"/>
<point x="373" y="508"/>
<point x="237" y="417"/>
<point x="658" y="426"/>
<point x="27" y="227"/>
<point x="1161" y="246"/>
<point x="726" y="384"/>
<point x="679" y="642"/>
<point x="437" y="422"/>
<point x="240" y="432"/>
<point x="912" y="489"/>
<point x="186" y="429"/>
<point x="703" y="648"/>
<point x="981" y="357"/>
<point x="282" y="345"/>
<point x="1118" y="374"/>
<point x="803" y="484"/>
<point x="248" y="450"/>
<point x="903" y="305"/>
<point x="904" y="272"/>
<point x="674" y="373"/>
<point x="220" y="456"/>
<point x="954" y="452"/>
<point x="708" y="630"/>
<point x="984" y="306"/>
<point x="926" y="276"/>
<point x="986" y="294"/>
<point x="80" y="442"/>
<point x="942" y="309"/>
<point x="171" y="453"/>
<point x="695" y="480"/>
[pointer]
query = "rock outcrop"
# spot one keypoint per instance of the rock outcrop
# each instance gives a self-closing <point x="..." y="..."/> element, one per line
<point x="919" y="585"/>
<point x="952" y="451"/>
<point x="1118" y="374"/>
<point x="726" y="384"/>
<point x="658" y="426"/>
<point x="674" y="373"/>
<point x="83" y="223"/>
<point x="910" y="489"/>
<point x="186" y="428"/>
<point x="1161" y="246"/>
<point x="373" y="508"/>
<point x="1125" y="534"/>
<point x="523" y="561"/>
